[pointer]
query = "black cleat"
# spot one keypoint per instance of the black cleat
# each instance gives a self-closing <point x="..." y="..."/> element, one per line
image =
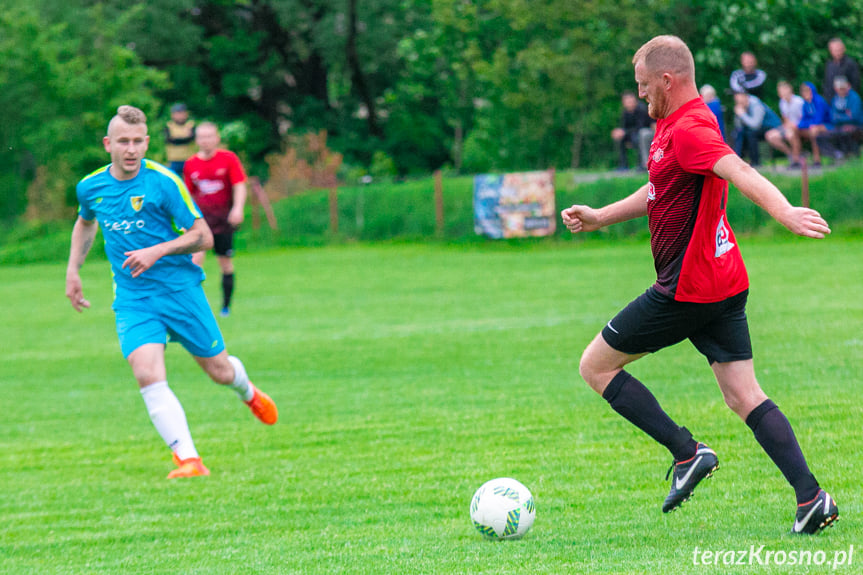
<point x="815" y="515"/>
<point x="687" y="474"/>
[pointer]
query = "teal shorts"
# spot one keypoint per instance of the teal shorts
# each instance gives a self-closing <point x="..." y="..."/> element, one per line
<point x="183" y="316"/>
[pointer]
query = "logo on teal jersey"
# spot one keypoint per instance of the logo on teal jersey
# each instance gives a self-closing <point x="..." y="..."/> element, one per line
<point x="137" y="202"/>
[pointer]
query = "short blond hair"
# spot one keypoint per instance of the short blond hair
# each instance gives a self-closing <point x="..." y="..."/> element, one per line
<point x="664" y="54"/>
<point x="128" y="114"/>
<point x="208" y="124"/>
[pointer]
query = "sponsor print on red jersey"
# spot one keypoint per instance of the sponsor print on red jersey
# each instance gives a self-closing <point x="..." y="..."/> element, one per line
<point x="211" y="183"/>
<point x="694" y="249"/>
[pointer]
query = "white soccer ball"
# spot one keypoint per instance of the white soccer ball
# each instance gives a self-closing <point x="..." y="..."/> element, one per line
<point x="502" y="509"/>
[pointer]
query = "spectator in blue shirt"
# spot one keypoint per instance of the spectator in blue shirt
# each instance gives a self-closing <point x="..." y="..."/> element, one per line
<point x="708" y="94"/>
<point x="846" y="115"/>
<point x="815" y="120"/>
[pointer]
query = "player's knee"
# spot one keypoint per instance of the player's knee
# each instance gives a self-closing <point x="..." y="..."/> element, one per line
<point x="739" y="404"/>
<point x="588" y="370"/>
<point x="220" y="370"/>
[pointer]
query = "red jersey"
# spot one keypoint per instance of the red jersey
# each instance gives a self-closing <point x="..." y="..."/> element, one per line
<point x="694" y="250"/>
<point x="211" y="183"/>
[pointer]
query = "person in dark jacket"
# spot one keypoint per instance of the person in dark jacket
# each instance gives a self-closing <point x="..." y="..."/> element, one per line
<point x="635" y="131"/>
<point x="839" y="65"/>
<point x="748" y="78"/>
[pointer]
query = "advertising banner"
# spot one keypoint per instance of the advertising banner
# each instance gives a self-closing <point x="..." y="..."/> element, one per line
<point x="514" y="205"/>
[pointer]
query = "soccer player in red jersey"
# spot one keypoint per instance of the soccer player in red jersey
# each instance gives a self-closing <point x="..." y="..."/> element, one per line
<point x="217" y="182"/>
<point x="701" y="287"/>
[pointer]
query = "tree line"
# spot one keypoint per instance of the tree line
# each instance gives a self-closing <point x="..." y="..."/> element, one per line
<point x="401" y="87"/>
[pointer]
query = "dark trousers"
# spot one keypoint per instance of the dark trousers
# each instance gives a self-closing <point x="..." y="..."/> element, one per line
<point x="840" y="142"/>
<point x="746" y="140"/>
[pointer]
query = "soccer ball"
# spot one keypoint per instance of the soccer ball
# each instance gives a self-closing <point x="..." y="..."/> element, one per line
<point x="502" y="509"/>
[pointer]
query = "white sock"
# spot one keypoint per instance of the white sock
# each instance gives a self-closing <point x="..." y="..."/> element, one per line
<point x="241" y="383"/>
<point x="168" y="417"/>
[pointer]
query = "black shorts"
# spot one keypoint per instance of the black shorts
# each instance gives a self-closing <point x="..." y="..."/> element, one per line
<point x="223" y="244"/>
<point x="654" y="321"/>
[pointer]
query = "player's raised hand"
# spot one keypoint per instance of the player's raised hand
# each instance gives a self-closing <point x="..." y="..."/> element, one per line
<point x="806" y="222"/>
<point x="580" y="219"/>
<point x="75" y="292"/>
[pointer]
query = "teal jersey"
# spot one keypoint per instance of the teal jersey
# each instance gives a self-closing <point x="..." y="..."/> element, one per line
<point x="151" y="208"/>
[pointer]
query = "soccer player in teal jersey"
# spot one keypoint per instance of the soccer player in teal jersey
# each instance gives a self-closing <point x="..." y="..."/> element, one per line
<point x="151" y="227"/>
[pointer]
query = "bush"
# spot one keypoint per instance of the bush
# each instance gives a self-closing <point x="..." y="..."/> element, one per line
<point x="406" y="211"/>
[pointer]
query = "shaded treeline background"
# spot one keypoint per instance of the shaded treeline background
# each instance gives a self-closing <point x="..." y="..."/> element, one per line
<point x="401" y="87"/>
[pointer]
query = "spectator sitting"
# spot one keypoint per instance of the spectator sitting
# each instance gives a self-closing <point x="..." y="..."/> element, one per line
<point x="635" y="131"/>
<point x="839" y="65"/>
<point x="846" y="115"/>
<point x="752" y="119"/>
<point x="708" y="94"/>
<point x="815" y="120"/>
<point x="748" y="78"/>
<point x="791" y="109"/>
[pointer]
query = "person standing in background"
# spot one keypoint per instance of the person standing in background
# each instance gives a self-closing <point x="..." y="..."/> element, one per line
<point x="839" y="65"/>
<point x="748" y="78"/>
<point x="217" y="182"/>
<point x="179" y="138"/>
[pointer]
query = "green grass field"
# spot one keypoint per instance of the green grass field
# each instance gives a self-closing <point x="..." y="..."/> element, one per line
<point x="406" y="376"/>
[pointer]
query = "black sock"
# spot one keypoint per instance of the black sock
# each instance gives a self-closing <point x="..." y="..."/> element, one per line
<point x="227" y="289"/>
<point x="628" y="397"/>
<point x="774" y="434"/>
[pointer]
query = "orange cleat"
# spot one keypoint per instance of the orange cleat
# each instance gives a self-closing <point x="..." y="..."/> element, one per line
<point x="263" y="407"/>
<point x="192" y="467"/>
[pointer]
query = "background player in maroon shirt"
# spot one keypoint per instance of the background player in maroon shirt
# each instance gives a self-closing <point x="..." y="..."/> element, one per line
<point x="217" y="181"/>
<point x="701" y="287"/>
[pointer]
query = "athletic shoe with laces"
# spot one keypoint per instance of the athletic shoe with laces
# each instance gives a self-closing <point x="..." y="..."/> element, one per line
<point x="263" y="407"/>
<point x="687" y="474"/>
<point x="191" y="467"/>
<point x="815" y="515"/>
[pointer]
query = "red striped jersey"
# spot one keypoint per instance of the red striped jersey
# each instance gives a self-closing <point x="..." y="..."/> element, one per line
<point x="694" y="250"/>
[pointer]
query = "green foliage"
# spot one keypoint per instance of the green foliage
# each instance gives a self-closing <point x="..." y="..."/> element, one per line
<point x="61" y="87"/>
<point x="382" y="166"/>
<point x="487" y="85"/>
<point x="789" y="38"/>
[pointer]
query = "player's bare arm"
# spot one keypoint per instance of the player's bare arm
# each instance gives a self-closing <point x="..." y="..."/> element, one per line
<point x="197" y="238"/>
<point x="235" y="218"/>
<point x="801" y="221"/>
<point x="586" y="219"/>
<point x="83" y="235"/>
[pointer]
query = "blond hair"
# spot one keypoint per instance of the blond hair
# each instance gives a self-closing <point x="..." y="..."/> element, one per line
<point x="668" y="54"/>
<point x="208" y="124"/>
<point x="128" y="114"/>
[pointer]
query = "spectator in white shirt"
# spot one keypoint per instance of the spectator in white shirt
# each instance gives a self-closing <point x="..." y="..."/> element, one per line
<point x="784" y="138"/>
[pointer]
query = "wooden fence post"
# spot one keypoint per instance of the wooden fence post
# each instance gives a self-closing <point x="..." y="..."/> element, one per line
<point x="256" y="216"/>
<point x="438" y="202"/>
<point x="334" y="211"/>
<point x="804" y="183"/>
<point x="260" y="196"/>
